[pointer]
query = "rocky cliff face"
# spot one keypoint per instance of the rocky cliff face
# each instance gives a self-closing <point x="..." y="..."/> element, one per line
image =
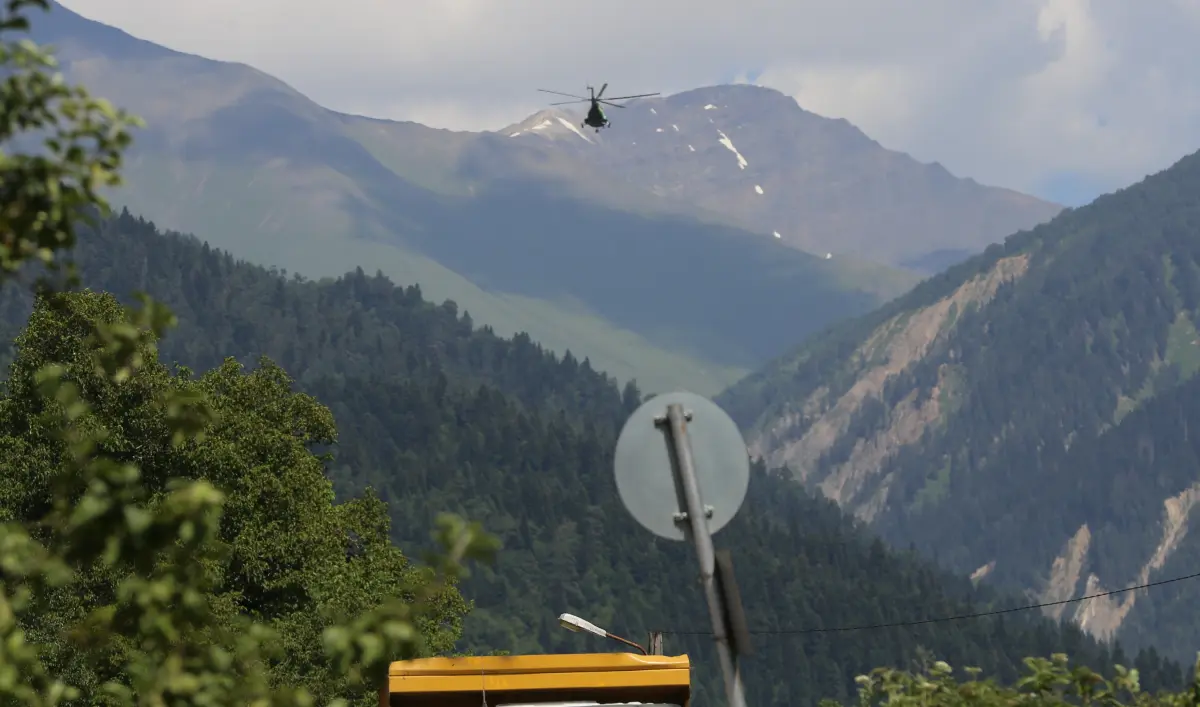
<point x="1103" y="616"/>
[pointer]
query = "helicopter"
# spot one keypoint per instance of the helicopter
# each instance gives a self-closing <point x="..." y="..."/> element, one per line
<point x="595" y="116"/>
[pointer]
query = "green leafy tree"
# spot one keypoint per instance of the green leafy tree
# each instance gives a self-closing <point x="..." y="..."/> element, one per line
<point x="292" y="557"/>
<point x="1049" y="682"/>
<point x="47" y="191"/>
<point x="128" y="579"/>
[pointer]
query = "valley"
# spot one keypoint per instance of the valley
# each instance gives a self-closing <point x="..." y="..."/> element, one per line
<point x="327" y="391"/>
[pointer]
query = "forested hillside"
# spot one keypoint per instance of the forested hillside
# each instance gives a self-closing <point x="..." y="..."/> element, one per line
<point x="439" y="416"/>
<point x="1019" y="416"/>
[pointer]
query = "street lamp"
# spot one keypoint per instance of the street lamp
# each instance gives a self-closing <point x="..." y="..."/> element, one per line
<point x="576" y="624"/>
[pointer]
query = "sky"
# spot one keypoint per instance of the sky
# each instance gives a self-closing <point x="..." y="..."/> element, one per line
<point x="1065" y="99"/>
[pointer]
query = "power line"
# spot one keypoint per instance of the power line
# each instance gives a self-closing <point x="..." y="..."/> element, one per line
<point x="943" y="619"/>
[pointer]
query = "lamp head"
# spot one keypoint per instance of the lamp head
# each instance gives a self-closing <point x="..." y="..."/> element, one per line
<point x="576" y="624"/>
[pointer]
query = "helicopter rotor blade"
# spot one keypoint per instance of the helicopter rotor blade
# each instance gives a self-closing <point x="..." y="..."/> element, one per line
<point x="565" y="103"/>
<point x="614" y="105"/>
<point x="601" y="94"/>
<point x="625" y="98"/>
<point x="560" y="93"/>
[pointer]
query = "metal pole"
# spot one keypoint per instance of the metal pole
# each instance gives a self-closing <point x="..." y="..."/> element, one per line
<point x="656" y="643"/>
<point x="626" y="641"/>
<point x="697" y="529"/>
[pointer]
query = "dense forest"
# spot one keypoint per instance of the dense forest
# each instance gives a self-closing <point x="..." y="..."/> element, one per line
<point x="435" y="414"/>
<point x="1100" y="318"/>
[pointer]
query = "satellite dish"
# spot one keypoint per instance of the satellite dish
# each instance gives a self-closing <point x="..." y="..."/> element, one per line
<point x="646" y="481"/>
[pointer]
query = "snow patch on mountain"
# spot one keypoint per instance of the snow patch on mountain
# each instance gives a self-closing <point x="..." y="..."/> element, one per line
<point x="571" y="126"/>
<point x="550" y="123"/>
<point x="729" y="146"/>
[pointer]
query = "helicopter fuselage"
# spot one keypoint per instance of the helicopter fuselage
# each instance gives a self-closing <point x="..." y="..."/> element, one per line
<point x="595" y="118"/>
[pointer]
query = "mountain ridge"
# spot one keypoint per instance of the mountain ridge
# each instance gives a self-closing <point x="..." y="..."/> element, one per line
<point x="964" y="417"/>
<point x="250" y="164"/>
<point x="810" y="161"/>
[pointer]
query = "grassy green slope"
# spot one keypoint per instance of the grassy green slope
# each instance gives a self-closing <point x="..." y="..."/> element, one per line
<point x="225" y="203"/>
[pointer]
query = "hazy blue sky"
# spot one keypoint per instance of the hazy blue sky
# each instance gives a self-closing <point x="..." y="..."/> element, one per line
<point x="1063" y="98"/>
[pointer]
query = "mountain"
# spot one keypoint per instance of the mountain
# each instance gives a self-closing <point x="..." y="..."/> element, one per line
<point x="1028" y="415"/>
<point x="757" y="158"/>
<point x="249" y="164"/>
<point x="436" y="415"/>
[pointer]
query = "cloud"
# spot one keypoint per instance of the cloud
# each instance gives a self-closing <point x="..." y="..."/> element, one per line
<point x="1011" y="92"/>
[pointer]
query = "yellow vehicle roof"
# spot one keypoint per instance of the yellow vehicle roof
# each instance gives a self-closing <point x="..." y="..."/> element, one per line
<point x="539" y="672"/>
